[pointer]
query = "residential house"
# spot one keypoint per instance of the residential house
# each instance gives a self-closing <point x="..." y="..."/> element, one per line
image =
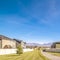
<point x="55" y="45"/>
<point x="8" y="43"/>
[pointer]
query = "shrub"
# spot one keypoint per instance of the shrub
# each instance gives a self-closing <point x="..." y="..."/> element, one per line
<point x="44" y="50"/>
<point x="19" y="49"/>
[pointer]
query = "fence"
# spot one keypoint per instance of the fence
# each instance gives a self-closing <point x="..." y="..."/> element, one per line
<point x="52" y="50"/>
<point x="7" y="51"/>
<point x="26" y="50"/>
<point x="12" y="51"/>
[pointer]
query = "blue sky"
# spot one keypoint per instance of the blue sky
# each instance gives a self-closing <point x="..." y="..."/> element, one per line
<point x="30" y="20"/>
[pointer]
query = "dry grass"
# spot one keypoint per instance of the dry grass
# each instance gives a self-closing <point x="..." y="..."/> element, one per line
<point x="34" y="55"/>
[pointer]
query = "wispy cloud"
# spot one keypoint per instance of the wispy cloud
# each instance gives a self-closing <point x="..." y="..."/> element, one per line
<point x="36" y="10"/>
<point x="14" y="19"/>
<point x="12" y="22"/>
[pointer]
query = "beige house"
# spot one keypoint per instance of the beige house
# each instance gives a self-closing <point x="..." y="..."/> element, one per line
<point x="55" y="45"/>
<point x="6" y="42"/>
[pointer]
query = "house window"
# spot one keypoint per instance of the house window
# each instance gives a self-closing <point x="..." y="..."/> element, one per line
<point x="7" y="46"/>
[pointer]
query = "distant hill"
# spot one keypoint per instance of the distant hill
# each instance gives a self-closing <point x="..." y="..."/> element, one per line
<point x="47" y="44"/>
<point x="32" y="44"/>
<point x="37" y="44"/>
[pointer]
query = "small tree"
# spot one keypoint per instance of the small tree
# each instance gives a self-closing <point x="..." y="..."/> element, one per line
<point x="19" y="49"/>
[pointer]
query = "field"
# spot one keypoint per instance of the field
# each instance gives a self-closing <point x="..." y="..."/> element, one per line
<point x="34" y="55"/>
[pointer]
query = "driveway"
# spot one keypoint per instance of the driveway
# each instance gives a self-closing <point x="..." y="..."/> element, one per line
<point x="50" y="56"/>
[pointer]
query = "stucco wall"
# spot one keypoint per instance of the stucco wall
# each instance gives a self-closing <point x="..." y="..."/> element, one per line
<point x="12" y="51"/>
<point x="26" y="50"/>
<point x="23" y="44"/>
<point x="7" y="51"/>
<point x="57" y="45"/>
<point x="0" y="43"/>
<point x="8" y="42"/>
<point x="57" y="50"/>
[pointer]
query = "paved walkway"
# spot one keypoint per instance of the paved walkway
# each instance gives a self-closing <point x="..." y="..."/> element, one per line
<point x="50" y="56"/>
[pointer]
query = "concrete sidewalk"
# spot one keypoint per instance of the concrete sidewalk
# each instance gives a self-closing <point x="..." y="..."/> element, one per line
<point x="50" y="56"/>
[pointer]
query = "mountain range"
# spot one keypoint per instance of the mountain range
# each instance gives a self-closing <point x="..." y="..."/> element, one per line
<point x="37" y="44"/>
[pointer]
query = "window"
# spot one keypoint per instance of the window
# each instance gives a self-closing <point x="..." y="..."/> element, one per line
<point x="7" y="46"/>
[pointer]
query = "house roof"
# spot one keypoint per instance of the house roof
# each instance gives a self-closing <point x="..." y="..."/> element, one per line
<point x="4" y="37"/>
<point x="56" y="42"/>
<point x="17" y="40"/>
<point x="7" y="38"/>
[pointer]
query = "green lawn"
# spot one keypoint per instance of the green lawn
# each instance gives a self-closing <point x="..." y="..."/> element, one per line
<point x="34" y="55"/>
